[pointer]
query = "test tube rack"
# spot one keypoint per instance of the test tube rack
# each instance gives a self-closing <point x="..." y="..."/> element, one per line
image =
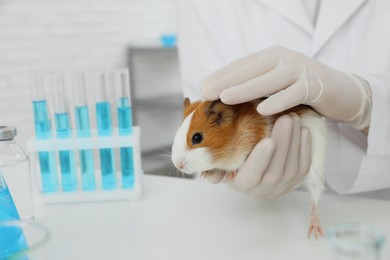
<point x="93" y="143"/>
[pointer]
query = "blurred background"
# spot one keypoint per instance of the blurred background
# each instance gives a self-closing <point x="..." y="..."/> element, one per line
<point x="86" y="35"/>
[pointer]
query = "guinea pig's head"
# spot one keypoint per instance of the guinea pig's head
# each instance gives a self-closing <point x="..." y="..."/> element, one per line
<point x="201" y="142"/>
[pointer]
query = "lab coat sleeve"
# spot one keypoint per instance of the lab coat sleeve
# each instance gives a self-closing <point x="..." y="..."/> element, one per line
<point x="374" y="170"/>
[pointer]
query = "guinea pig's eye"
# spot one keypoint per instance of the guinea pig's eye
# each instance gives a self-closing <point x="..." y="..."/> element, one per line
<point x="197" y="138"/>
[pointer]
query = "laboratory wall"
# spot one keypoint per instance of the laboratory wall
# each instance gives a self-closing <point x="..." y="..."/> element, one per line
<point x="54" y="35"/>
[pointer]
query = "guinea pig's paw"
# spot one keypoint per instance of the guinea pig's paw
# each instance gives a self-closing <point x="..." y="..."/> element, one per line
<point x="315" y="225"/>
<point x="205" y="174"/>
<point x="230" y="175"/>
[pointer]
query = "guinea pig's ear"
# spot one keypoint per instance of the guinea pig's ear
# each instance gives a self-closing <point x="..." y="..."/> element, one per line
<point x="219" y="113"/>
<point x="186" y="102"/>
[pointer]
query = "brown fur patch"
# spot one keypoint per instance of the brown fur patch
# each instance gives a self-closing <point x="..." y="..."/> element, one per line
<point x="230" y="131"/>
<point x="188" y="107"/>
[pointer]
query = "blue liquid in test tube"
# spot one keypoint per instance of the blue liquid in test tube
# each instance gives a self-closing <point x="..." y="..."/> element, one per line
<point x="125" y="121"/>
<point x="84" y="131"/>
<point x="67" y="161"/>
<point x="125" y="126"/>
<point x="103" y="118"/>
<point x="86" y="156"/>
<point x="47" y="161"/>
<point x="63" y="130"/>
<point x="104" y="127"/>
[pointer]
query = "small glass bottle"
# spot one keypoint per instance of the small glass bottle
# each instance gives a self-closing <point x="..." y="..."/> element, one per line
<point x="15" y="181"/>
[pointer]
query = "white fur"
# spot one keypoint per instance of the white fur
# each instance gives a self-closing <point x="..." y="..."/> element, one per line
<point x="199" y="159"/>
<point x="194" y="160"/>
<point x="315" y="178"/>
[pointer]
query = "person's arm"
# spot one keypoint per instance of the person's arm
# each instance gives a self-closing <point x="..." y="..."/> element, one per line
<point x="374" y="170"/>
<point x="199" y="56"/>
<point x="290" y="78"/>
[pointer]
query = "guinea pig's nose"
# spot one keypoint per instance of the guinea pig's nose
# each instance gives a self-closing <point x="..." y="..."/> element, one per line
<point x="180" y="165"/>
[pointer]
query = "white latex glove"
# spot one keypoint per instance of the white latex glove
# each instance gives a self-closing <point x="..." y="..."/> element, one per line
<point x="291" y="78"/>
<point x="277" y="164"/>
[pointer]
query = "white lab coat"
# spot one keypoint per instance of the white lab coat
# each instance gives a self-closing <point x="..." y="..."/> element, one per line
<point x="352" y="36"/>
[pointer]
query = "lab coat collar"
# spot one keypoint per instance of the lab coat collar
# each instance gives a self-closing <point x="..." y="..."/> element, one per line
<point x="294" y="11"/>
<point x="332" y="15"/>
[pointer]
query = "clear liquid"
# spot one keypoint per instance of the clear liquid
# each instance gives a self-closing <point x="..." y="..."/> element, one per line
<point x="108" y="168"/>
<point x="7" y="206"/>
<point x="127" y="164"/>
<point x="86" y="156"/>
<point x="47" y="161"/>
<point x="67" y="159"/>
<point x="103" y="118"/>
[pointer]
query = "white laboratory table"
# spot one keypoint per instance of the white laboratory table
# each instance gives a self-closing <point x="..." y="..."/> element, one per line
<point x="192" y="219"/>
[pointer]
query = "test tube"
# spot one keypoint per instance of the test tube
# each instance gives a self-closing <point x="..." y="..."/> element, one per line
<point x="42" y="123"/>
<point x="125" y="125"/>
<point x="104" y="127"/>
<point x="83" y="130"/>
<point x="63" y="130"/>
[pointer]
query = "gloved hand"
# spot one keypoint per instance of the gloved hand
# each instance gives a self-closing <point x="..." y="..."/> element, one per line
<point x="291" y="78"/>
<point x="277" y="164"/>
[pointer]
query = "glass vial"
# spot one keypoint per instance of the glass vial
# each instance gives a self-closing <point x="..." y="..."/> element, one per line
<point x="15" y="181"/>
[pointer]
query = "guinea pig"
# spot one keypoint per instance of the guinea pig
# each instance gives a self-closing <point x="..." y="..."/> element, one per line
<point x="216" y="136"/>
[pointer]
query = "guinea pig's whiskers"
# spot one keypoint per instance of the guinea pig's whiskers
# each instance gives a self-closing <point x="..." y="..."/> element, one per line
<point x="165" y="150"/>
<point x="168" y="166"/>
<point x="167" y="163"/>
<point x="171" y="169"/>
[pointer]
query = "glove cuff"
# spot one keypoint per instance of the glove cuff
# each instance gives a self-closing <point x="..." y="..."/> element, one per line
<point x="362" y="118"/>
